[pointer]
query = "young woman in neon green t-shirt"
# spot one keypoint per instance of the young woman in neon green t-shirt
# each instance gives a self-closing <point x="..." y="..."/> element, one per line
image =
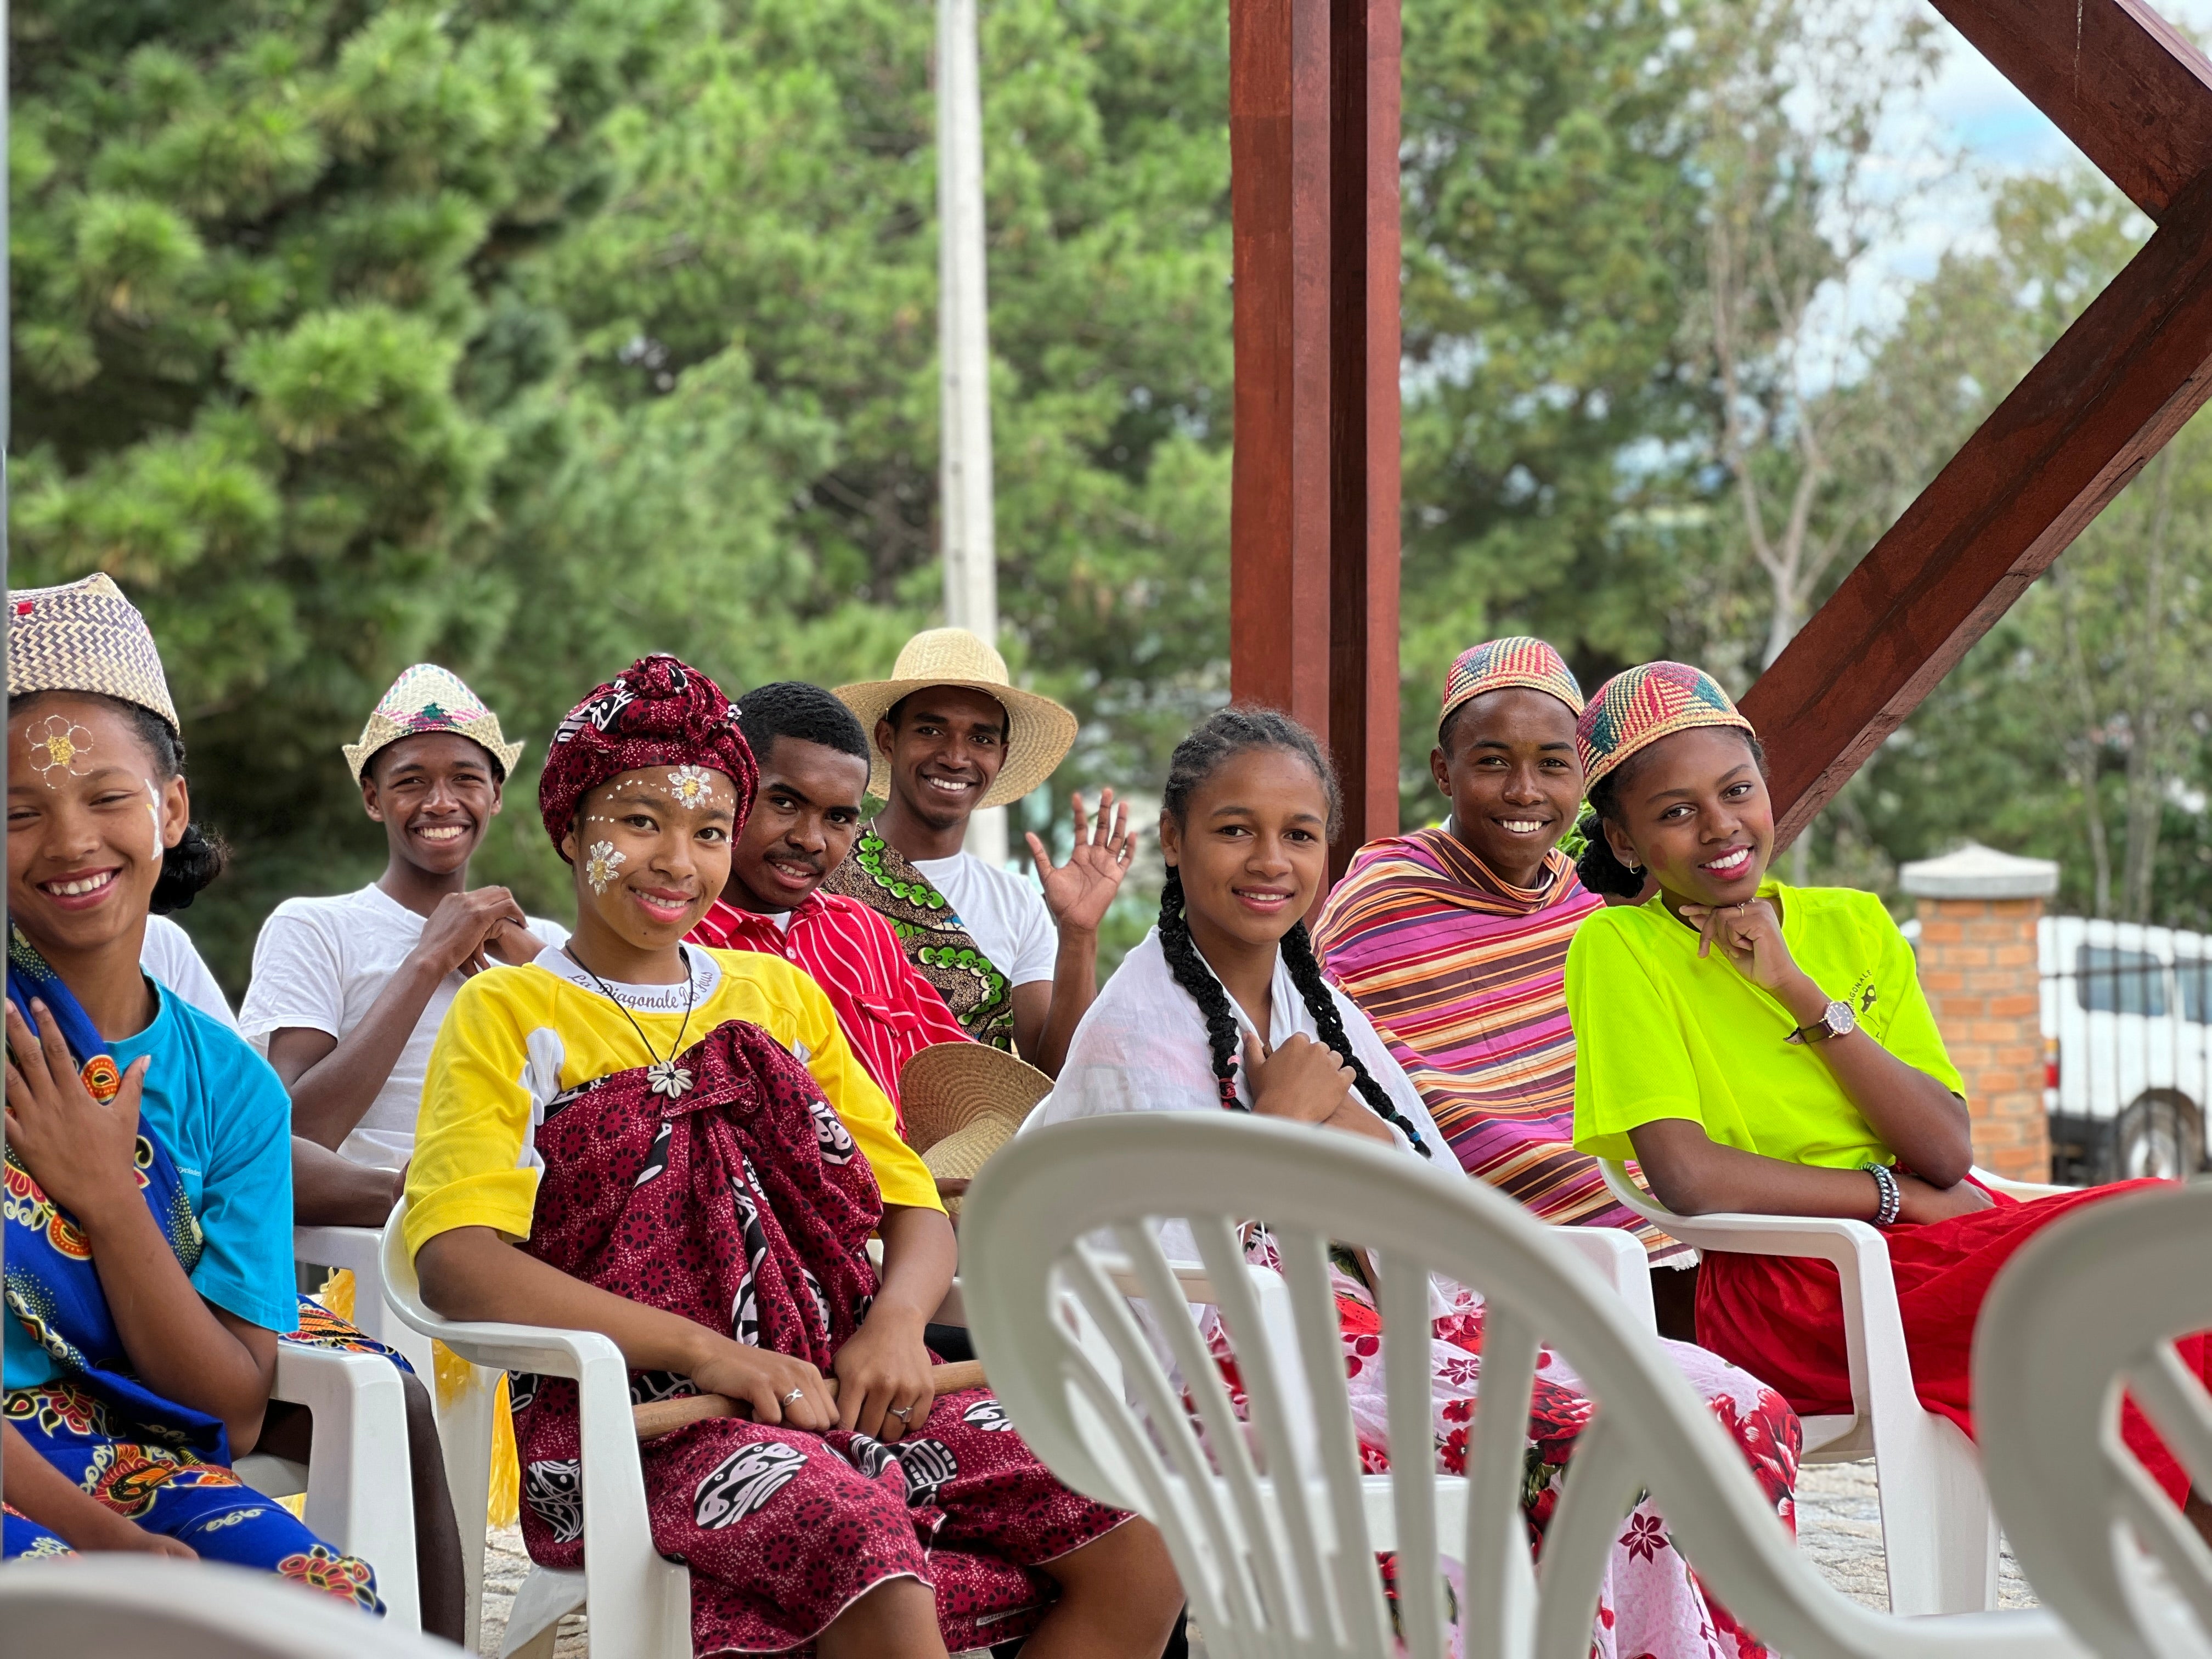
<point x="1761" y="1048"/>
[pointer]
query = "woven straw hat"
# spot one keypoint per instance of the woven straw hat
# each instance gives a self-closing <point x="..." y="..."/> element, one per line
<point x="428" y="698"/>
<point x="1039" y="732"/>
<point x="85" y="636"/>
<point x="963" y="1101"/>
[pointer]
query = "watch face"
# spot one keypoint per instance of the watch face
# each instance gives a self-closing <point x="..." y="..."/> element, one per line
<point x="1841" y="1019"/>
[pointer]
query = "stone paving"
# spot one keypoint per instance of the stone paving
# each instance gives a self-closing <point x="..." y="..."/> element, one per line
<point x="1839" y="1527"/>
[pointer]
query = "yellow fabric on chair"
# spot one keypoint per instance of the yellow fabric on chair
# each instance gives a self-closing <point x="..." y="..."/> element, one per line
<point x="503" y="1503"/>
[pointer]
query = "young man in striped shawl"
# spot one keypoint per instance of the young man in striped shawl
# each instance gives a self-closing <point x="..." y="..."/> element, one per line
<point x="1454" y="940"/>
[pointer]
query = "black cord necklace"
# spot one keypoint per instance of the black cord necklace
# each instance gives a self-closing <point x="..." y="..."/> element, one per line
<point x="665" y="1076"/>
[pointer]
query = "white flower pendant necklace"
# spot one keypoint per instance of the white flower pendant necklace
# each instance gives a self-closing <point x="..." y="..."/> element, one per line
<point x="663" y="1077"/>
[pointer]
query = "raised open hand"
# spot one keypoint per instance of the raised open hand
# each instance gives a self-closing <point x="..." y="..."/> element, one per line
<point x="1079" y="892"/>
<point x="83" y="1151"/>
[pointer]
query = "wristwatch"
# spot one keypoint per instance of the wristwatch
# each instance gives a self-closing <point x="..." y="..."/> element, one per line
<point x="1836" y="1019"/>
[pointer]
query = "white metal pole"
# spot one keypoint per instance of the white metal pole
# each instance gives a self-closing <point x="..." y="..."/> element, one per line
<point x="970" y="549"/>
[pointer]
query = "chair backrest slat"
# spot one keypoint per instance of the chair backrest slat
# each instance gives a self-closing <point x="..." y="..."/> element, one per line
<point x="1497" y="1617"/>
<point x="1304" y="1256"/>
<point x="1601" y="1483"/>
<point x="1409" y="1357"/>
<point x="1224" y="1549"/>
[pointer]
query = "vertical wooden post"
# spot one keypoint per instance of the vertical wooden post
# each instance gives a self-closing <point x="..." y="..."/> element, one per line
<point x="1313" y="133"/>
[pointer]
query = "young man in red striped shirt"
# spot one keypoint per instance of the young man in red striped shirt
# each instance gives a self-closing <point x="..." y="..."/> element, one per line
<point x="813" y="760"/>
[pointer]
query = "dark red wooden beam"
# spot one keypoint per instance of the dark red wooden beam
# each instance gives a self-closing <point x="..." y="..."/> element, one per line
<point x="2133" y="367"/>
<point x="2112" y="75"/>
<point x="1313" y="137"/>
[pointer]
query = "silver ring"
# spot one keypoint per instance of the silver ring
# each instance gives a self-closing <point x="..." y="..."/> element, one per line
<point x="796" y="1394"/>
<point x="901" y="1412"/>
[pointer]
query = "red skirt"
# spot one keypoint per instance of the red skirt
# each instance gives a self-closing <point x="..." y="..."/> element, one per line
<point x="1781" y="1317"/>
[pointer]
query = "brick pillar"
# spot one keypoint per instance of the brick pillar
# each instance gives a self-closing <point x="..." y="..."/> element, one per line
<point x="1978" y="908"/>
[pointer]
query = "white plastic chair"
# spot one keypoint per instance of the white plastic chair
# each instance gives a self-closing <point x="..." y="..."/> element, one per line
<point x="1939" y="1533"/>
<point x="464" y="1428"/>
<point x="131" y="1606"/>
<point x="359" y="1499"/>
<point x="1276" y="1565"/>
<point x="640" y="1602"/>
<point x="2087" y="1308"/>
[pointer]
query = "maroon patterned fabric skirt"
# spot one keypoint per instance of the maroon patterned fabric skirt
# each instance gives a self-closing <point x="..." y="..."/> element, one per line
<point x="721" y="1186"/>
<point x="784" y="1529"/>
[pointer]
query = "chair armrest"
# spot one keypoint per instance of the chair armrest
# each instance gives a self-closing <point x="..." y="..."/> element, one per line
<point x="2026" y="1191"/>
<point x="1873" y="1328"/>
<point x="1622" y="1261"/>
<point x="359" y="1493"/>
<point x="355" y="1249"/>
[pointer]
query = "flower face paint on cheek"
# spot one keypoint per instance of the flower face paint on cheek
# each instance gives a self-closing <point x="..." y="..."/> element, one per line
<point x="601" y="862"/>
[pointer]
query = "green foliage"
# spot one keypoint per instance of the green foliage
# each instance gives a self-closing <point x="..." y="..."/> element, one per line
<point x="531" y="336"/>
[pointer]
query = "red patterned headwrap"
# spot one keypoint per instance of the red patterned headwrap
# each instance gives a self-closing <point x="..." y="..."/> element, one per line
<point x="658" y="711"/>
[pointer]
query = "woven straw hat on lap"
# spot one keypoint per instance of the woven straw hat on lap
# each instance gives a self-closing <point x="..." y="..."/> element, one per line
<point x="1039" y="732"/>
<point x="85" y="636"/>
<point x="428" y="698"/>
<point x="963" y="1101"/>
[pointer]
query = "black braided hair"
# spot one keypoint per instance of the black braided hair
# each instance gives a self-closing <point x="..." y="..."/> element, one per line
<point x="1232" y="731"/>
<point x="198" y="857"/>
<point x="1600" y="870"/>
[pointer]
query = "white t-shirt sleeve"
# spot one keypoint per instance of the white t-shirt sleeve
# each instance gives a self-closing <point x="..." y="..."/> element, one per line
<point x="1036" y="941"/>
<point x="169" y="956"/>
<point x="298" y="980"/>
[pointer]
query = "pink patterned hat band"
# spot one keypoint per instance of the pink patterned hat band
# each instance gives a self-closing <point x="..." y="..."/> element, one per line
<point x="428" y="698"/>
<point x="1515" y="660"/>
<point x="1638" y="707"/>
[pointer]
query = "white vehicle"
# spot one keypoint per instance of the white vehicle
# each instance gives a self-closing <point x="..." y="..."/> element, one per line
<point x="2127" y="1042"/>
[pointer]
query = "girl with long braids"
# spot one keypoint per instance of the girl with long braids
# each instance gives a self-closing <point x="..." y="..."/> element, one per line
<point x="1223" y="1007"/>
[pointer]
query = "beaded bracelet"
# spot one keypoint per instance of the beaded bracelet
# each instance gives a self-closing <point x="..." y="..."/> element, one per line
<point x="1892" y="1199"/>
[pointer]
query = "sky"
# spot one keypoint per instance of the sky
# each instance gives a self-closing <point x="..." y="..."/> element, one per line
<point x="1939" y="157"/>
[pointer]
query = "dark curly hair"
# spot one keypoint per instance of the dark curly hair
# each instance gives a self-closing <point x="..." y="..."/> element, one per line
<point x="1232" y="731"/>
<point x="196" y="859"/>
<point x="1600" y="871"/>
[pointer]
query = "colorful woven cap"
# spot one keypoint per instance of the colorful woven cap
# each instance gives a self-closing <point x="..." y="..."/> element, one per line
<point x="428" y="698"/>
<point x="659" y="711"/>
<point x="85" y="636"/>
<point x="1515" y="660"/>
<point x="1638" y="707"/>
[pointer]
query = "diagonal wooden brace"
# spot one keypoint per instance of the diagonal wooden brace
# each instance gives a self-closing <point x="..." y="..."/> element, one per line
<point x="2118" y="385"/>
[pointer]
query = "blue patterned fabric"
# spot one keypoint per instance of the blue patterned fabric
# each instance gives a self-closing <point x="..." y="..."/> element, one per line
<point x="163" y="1466"/>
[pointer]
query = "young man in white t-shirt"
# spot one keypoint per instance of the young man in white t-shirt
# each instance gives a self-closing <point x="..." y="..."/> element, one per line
<point x="953" y="734"/>
<point x="348" y="992"/>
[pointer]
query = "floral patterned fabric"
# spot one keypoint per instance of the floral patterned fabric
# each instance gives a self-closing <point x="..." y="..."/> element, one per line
<point x="173" y="1491"/>
<point x="1651" y="1605"/>
<point x="722" y="1186"/>
<point x="930" y="931"/>
<point x="162" y="1465"/>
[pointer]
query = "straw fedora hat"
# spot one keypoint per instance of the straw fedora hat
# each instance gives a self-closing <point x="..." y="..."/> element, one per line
<point x="963" y="1101"/>
<point x="1039" y="732"/>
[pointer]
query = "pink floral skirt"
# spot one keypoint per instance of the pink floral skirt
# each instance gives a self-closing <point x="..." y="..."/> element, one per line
<point x="1651" y="1605"/>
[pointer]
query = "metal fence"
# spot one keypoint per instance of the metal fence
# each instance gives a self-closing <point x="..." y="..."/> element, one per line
<point x="2127" y="1034"/>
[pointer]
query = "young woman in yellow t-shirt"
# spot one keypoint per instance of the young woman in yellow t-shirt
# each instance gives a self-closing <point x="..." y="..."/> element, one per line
<point x="1761" y="1048"/>
<point x="674" y="1146"/>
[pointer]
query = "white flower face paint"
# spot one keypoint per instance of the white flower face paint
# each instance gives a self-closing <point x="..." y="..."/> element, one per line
<point x="601" y="861"/>
<point x="693" y="784"/>
<point x="59" y="745"/>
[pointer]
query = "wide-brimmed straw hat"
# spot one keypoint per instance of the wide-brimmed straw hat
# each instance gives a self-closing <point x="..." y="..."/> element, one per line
<point x="1039" y="732"/>
<point x="963" y="1101"/>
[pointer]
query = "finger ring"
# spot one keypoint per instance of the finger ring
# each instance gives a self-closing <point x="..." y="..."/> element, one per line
<point x="901" y="1412"/>
<point x="796" y="1394"/>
